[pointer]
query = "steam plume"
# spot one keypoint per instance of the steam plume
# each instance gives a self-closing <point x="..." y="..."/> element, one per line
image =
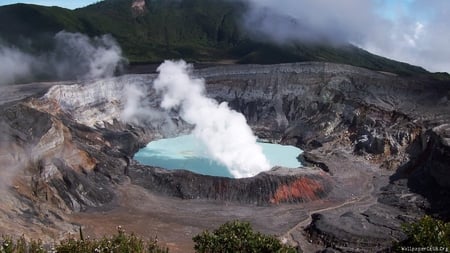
<point x="14" y="65"/>
<point x="73" y="56"/>
<point x="224" y="132"/>
<point x="138" y="109"/>
<point x="78" y="56"/>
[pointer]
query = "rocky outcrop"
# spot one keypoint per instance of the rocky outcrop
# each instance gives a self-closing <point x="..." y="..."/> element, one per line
<point x="138" y="8"/>
<point x="92" y="104"/>
<point x="439" y="153"/>
<point x="366" y="232"/>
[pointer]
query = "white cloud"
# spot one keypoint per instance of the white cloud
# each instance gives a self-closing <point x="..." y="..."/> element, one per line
<point x="416" y="32"/>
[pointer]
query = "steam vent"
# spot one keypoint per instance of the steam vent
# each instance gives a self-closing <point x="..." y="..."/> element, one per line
<point x="375" y="154"/>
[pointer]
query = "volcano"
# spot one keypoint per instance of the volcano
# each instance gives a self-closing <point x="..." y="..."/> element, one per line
<point x="375" y="133"/>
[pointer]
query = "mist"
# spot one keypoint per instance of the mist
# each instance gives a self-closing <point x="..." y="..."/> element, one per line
<point x="7" y="160"/>
<point x="15" y="65"/>
<point x="224" y="132"/>
<point x="78" y="56"/>
<point x="15" y="157"/>
<point x="411" y="31"/>
<point x="307" y="21"/>
<point x="73" y="56"/>
<point x="140" y="110"/>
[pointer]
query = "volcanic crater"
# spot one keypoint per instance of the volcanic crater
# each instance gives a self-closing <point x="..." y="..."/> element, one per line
<point x="376" y="155"/>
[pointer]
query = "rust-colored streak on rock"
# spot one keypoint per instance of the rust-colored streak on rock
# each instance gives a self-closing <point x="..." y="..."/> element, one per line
<point x="74" y="156"/>
<point x="58" y="142"/>
<point x="220" y="189"/>
<point x="50" y="106"/>
<point x="303" y="188"/>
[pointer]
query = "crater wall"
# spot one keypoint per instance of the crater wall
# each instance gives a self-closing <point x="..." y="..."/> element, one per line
<point x="400" y="125"/>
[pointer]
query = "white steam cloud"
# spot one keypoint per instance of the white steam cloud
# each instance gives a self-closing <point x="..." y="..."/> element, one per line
<point x="14" y="65"/>
<point x="138" y="109"/>
<point x="73" y="56"/>
<point x="76" y="55"/>
<point x="224" y="132"/>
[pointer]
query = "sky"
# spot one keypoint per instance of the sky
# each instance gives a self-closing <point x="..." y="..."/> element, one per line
<point x="413" y="31"/>
<point x="69" y="4"/>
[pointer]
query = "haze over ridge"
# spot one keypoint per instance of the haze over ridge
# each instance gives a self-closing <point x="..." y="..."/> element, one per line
<point x="412" y="31"/>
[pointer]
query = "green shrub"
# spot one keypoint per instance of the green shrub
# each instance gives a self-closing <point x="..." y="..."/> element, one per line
<point x="238" y="237"/>
<point x="118" y="243"/>
<point x="427" y="232"/>
<point x="8" y="245"/>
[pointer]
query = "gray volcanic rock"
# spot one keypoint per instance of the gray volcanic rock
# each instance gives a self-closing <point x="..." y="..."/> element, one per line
<point x="309" y="159"/>
<point x="440" y="152"/>
<point x="273" y="187"/>
<point x="377" y="145"/>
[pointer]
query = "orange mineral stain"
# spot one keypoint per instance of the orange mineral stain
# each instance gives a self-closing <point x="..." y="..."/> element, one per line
<point x="302" y="188"/>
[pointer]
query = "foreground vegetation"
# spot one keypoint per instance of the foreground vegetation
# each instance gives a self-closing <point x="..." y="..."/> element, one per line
<point x="428" y="234"/>
<point x="238" y="236"/>
<point x="232" y="237"/>
<point x="118" y="243"/>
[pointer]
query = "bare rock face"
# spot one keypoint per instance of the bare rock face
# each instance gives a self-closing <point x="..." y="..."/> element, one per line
<point x="278" y="186"/>
<point x="373" y="141"/>
<point x="90" y="104"/>
<point x="440" y="151"/>
<point x="138" y="7"/>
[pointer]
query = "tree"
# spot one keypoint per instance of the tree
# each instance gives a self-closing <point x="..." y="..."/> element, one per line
<point x="427" y="232"/>
<point x="238" y="237"/>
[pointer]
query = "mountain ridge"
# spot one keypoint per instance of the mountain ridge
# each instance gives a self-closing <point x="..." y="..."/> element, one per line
<point x="196" y="30"/>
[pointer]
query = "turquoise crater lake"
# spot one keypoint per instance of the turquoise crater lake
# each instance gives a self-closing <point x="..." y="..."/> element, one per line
<point x="186" y="152"/>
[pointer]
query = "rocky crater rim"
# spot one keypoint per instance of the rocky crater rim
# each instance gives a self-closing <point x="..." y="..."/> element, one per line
<point x="307" y="105"/>
<point x="100" y="104"/>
